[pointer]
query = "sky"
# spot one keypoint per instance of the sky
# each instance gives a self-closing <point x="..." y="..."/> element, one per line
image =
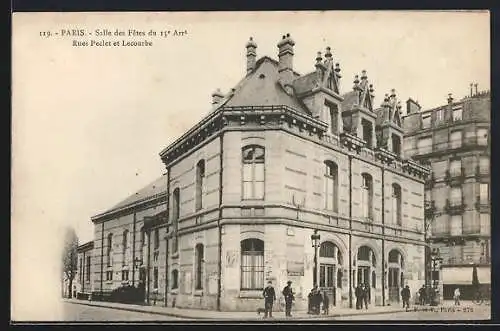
<point x="89" y="122"/>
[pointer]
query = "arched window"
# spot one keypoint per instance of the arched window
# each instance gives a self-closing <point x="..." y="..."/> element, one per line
<point x="175" y="218"/>
<point x="253" y="158"/>
<point x="199" y="259"/>
<point x="396" y="204"/>
<point x="364" y="253"/>
<point x="327" y="249"/>
<point x="109" y="251"/>
<point x="252" y="264"/>
<point x="367" y="196"/>
<point x="125" y="247"/>
<point x="200" y="177"/>
<point x="396" y="145"/>
<point x="175" y="279"/>
<point x="331" y="186"/>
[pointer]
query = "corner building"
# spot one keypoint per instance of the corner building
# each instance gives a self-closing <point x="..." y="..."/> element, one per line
<point x="455" y="140"/>
<point x="280" y="156"/>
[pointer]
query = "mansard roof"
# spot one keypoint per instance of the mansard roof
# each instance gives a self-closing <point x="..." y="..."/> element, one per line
<point x="153" y="190"/>
<point x="261" y="88"/>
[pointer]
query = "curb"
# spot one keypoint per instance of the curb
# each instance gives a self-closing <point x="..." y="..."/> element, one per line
<point x="184" y="316"/>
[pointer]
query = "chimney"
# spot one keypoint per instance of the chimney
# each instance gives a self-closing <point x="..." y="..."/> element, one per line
<point x="475" y="86"/>
<point x="251" y="55"/>
<point x="450" y="98"/>
<point x="471" y="89"/>
<point x="217" y="96"/>
<point x="285" y="55"/>
<point x="412" y="106"/>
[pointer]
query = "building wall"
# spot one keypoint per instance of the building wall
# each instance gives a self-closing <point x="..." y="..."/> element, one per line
<point x="116" y="226"/>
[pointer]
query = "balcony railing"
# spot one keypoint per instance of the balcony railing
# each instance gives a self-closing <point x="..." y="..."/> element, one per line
<point x="482" y="204"/>
<point x="455" y="206"/>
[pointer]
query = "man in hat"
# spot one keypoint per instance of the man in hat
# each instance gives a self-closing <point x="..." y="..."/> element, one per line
<point x="288" y="294"/>
<point x="405" y="295"/>
<point x="269" y="298"/>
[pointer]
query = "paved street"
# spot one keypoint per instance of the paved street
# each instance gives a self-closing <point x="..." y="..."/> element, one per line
<point x="462" y="313"/>
<point x="77" y="312"/>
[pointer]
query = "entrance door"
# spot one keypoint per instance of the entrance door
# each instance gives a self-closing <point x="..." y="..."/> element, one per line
<point x="364" y="278"/>
<point x="327" y="281"/>
<point x="394" y="284"/>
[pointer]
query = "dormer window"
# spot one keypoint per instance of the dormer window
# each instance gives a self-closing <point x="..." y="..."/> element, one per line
<point x="367" y="132"/>
<point x="331" y="112"/>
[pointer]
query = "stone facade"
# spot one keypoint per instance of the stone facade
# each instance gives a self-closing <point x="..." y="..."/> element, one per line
<point x="280" y="157"/>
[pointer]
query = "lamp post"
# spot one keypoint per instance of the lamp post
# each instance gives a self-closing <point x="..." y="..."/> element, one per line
<point x="137" y="264"/>
<point x="315" y="237"/>
<point x="435" y="260"/>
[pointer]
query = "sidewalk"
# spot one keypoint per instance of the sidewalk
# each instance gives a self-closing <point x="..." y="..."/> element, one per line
<point x="199" y="314"/>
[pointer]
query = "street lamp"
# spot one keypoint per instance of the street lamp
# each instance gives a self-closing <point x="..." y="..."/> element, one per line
<point x="315" y="237"/>
<point x="137" y="264"/>
<point x="435" y="260"/>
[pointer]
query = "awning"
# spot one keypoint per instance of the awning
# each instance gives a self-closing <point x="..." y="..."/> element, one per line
<point x="463" y="275"/>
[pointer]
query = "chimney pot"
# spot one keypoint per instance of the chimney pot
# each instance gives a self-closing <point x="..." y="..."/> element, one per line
<point x="251" y="54"/>
<point x="450" y="98"/>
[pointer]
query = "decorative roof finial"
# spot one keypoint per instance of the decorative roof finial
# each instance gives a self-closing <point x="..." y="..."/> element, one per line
<point x="328" y="53"/>
<point x="363" y="75"/>
<point x="318" y="58"/>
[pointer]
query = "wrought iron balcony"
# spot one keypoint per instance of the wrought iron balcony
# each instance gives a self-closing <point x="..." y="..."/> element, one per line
<point x="482" y="204"/>
<point x="455" y="206"/>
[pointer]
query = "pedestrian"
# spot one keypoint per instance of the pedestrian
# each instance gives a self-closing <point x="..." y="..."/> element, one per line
<point x="366" y="294"/>
<point x="405" y="295"/>
<point x="359" y="294"/>
<point x="326" y="303"/>
<point x="421" y="295"/>
<point x="269" y="298"/>
<point x="318" y="301"/>
<point x="456" y="296"/>
<point x="289" y="297"/>
<point x="310" y="297"/>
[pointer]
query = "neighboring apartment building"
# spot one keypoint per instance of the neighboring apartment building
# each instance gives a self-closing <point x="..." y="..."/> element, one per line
<point x="83" y="279"/>
<point x="454" y="140"/>
<point x="279" y="158"/>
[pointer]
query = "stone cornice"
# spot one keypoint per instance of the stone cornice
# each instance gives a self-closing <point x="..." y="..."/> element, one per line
<point x="130" y="208"/>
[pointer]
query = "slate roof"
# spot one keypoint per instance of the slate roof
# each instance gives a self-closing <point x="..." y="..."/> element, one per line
<point x="261" y="88"/>
<point x="157" y="187"/>
<point x="350" y="98"/>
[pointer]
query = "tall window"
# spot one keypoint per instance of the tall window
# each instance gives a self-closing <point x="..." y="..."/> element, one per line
<point x="396" y="204"/>
<point x="455" y="167"/>
<point x="456" y="196"/>
<point x="484" y="164"/>
<point x="175" y="218"/>
<point x="396" y="145"/>
<point x="367" y="195"/>
<point x="200" y="177"/>
<point x="457" y="113"/>
<point x="456" y="139"/>
<point x="424" y="145"/>
<point x="367" y="132"/>
<point x="109" y="251"/>
<point x="155" y="277"/>
<point x="484" y="193"/>
<point x="175" y="279"/>
<point x="484" y="219"/>
<point x="331" y="111"/>
<point x="199" y="267"/>
<point x="253" y="172"/>
<point x="87" y="269"/>
<point x="331" y="186"/>
<point x="456" y="225"/>
<point x="157" y="238"/>
<point x="482" y="136"/>
<point x="426" y="120"/>
<point x="252" y="264"/>
<point x="80" y="273"/>
<point x="439" y="115"/>
<point x="125" y="247"/>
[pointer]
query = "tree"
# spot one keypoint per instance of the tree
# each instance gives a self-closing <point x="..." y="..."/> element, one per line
<point x="70" y="259"/>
